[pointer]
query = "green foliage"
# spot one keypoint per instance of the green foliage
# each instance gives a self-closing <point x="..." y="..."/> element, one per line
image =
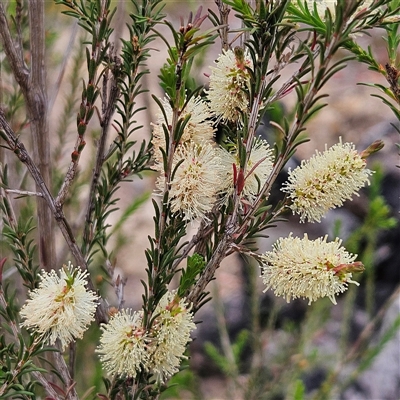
<point x="181" y="385"/>
<point x="377" y="220"/>
<point x="299" y="390"/>
<point x="371" y="353"/>
<point x="18" y="235"/>
<point x="223" y="363"/>
<point x="195" y="265"/>
<point x="16" y="355"/>
<point x="390" y="71"/>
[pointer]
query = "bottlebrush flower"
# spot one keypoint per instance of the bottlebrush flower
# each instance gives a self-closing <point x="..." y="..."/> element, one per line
<point x="326" y="181"/>
<point x="61" y="307"/>
<point x="229" y="82"/>
<point x="171" y="333"/>
<point x="199" y="128"/>
<point x="197" y="178"/>
<point x="124" y="344"/>
<point x="259" y="168"/>
<point x="126" y="348"/>
<point x="308" y="268"/>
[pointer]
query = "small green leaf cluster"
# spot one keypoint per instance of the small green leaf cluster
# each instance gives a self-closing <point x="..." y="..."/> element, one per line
<point x="195" y="265"/>
<point x="17" y="367"/>
<point x="18" y="235"/>
<point x="238" y="347"/>
<point x="17" y="353"/>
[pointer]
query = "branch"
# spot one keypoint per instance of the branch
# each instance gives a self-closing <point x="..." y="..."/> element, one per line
<point x="224" y="11"/>
<point x="34" y="90"/>
<point x="296" y="126"/>
<point x="89" y="92"/>
<point x="47" y="386"/>
<point x="18" y="67"/>
<point x="23" y="192"/>
<point x="197" y="242"/>
<point x="36" y="99"/>
<point x="215" y="261"/>
<point x="19" y="149"/>
<point x="62" y="368"/>
<point x="108" y="108"/>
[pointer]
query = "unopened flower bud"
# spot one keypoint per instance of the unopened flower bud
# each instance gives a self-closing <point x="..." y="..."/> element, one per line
<point x="372" y="148"/>
<point x="74" y="156"/>
<point x="393" y="19"/>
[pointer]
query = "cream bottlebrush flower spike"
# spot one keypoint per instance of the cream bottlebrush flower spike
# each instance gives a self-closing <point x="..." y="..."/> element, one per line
<point x="229" y="82"/>
<point x="171" y="333"/>
<point x="308" y="268"/>
<point x="326" y="181"/>
<point x="126" y="348"/>
<point x="123" y="344"/>
<point x="259" y="168"/>
<point x="199" y="128"/>
<point x="196" y="181"/>
<point x="61" y="307"/>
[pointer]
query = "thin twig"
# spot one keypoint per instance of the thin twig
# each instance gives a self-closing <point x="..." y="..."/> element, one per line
<point x="85" y="114"/>
<point x="47" y="386"/>
<point x="196" y="242"/>
<point x="69" y="176"/>
<point x="297" y="124"/>
<point x="117" y="282"/>
<point x="18" y="66"/>
<point x="11" y="217"/>
<point x="66" y="58"/>
<point x="23" y="192"/>
<point x="209" y="271"/>
<point x="224" y="11"/>
<point x="108" y="107"/>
